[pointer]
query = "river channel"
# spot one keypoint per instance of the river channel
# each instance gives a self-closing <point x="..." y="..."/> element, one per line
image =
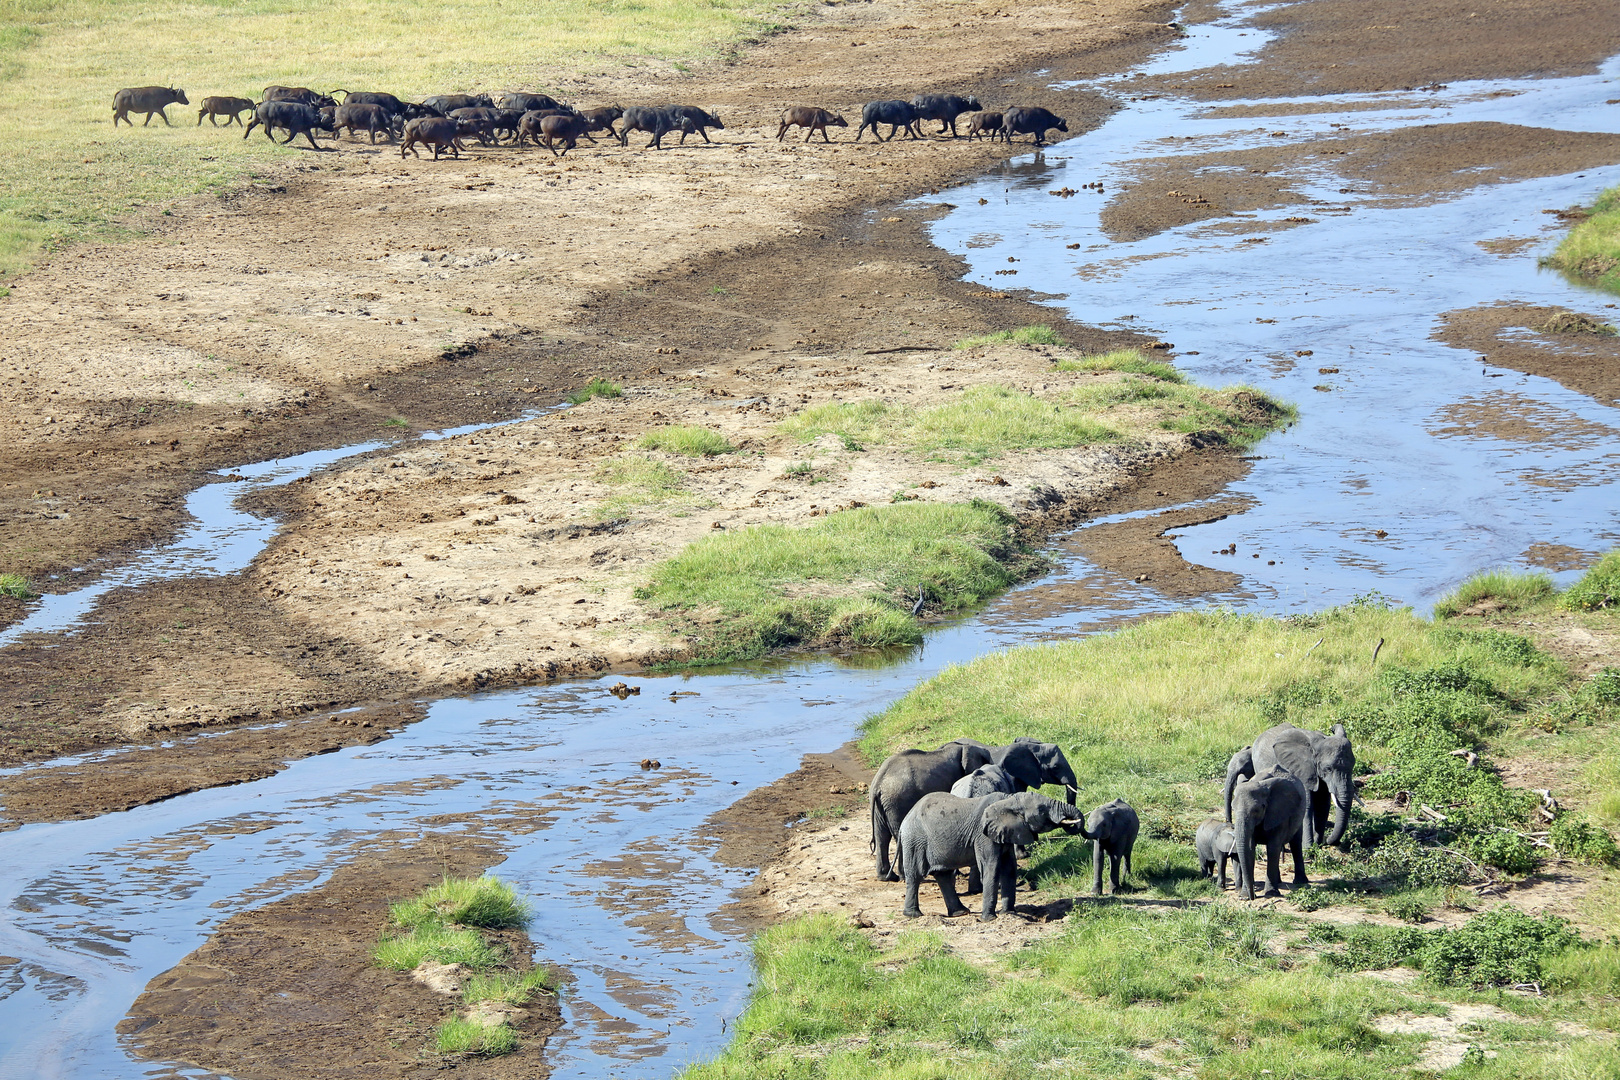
<point x="90" y="911"/>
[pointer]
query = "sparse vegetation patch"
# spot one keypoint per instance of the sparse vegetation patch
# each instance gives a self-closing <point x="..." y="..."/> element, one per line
<point x="16" y="586"/>
<point x="597" y="387"/>
<point x="1024" y="335"/>
<point x="1591" y="251"/>
<point x="1133" y="361"/>
<point x="689" y="440"/>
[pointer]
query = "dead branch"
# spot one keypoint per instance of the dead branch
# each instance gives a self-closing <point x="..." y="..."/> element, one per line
<point x="1377" y="647"/>
<point x="1470" y="758"/>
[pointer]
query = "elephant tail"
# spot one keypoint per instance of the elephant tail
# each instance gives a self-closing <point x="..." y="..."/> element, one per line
<point x="871" y="844"/>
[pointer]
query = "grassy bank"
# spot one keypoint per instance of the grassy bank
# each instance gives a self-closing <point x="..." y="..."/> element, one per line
<point x="68" y="174"/>
<point x="1591" y="251"/>
<point x="1156" y="982"/>
<point x="446" y="925"/>
<point x="849" y="579"/>
<point x="988" y="421"/>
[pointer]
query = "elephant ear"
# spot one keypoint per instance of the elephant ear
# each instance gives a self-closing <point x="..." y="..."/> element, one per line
<point x="1006" y="825"/>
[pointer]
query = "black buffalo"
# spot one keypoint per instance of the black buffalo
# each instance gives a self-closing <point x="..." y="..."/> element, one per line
<point x="701" y="121"/>
<point x="525" y="102"/>
<point x="394" y="106"/>
<point x="445" y="104"/>
<point x="656" y="122"/>
<point x="897" y="114"/>
<point x="231" y="108"/>
<point x="301" y="95"/>
<point x="148" y="100"/>
<point x="945" y="108"/>
<point x="439" y="132"/>
<point x="1030" y="120"/>
<point x="295" y="118"/>
<point x="362" y="116"/>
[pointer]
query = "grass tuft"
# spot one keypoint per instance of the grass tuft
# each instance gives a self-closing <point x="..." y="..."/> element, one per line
<point x="462" y="1035"/>
<point x="507" y="987"/>
<point x="17" y="587"/>
<point x="686" y="439"/>
<point x="770" y="587"/>
<point x="596" y="388"/>
<point x="638" y="481"/>
<point x="1598" y="588"/>
<point x="1024" y="335"/>
<point x="1131" y="361"/>
<point x="1591" y="251"/>
<point x="1512" y="589"/>
<point x="486" y="902"/>
<point x="440" y="944"/>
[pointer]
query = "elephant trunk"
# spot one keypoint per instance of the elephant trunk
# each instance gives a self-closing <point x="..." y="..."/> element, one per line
<point x="1343" y="795"/>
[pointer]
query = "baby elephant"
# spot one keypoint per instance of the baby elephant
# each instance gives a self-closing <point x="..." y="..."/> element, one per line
<point x="1112" y="829"/>
<point x="943" y="832"/>
<point x="1215" y="842"/>
<point x="985" y="780"/>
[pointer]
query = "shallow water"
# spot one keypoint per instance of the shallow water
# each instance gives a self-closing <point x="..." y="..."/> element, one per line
<point x="1410" y="435"/>
<point x="1405" y="441"/>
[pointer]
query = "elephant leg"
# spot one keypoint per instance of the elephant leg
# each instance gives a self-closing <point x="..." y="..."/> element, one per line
<point x="1114" y="859"/>
<point x="975" y="882"/>
<point x="992" y="877"/>
<point x="1008" y="883"/>
<point x="1299" y="863"/>
<point x="881" y="835"/>
<point x="1096" y="867"/>
<point x="1273" y="870"/>
<point x="947" y="890"/>
<point x="1244" y="854"/>
<point x="1220" y="882"/>
<point x="913" y="909"/>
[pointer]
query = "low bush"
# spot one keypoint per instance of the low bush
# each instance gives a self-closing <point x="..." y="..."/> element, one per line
<point x="1574" y="837"/>
<point x="686" y="439"/>
<point x="1598" y="588"/>
<point x="1503" y="947"/>
<point x="596" y="388"/>
<point x="1510" y="589"/>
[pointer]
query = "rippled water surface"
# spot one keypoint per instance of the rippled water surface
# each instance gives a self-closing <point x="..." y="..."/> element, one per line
<point x="1460" y="471"/>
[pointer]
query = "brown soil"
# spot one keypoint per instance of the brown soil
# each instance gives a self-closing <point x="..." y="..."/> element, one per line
<point x="289" y="989"/>
<point x="1503" y="335"/>
<point x="1363" y="46"/>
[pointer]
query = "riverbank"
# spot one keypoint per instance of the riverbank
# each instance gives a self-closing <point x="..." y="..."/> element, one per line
<point x="1164" y="974"/>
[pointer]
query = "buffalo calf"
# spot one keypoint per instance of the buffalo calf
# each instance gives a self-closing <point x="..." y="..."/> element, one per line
<point x="811" y="120"/>
<point x="985" y="123"/>
<point x="439" y="132"/>
<point x="363" y="117"/>
<point x="231" y="108"/>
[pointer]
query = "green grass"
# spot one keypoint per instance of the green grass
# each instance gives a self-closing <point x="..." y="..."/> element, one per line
<point x="688" y="440"/>
<point x="1514" y="590"/>
<point x="485" y="901"/>
<point x="1213" y="992"/>
<point x="1598" y="588"/>
<point x="68" y="175"/>
<point x="980" y="423"/>
<point x="1132" y="361"/>
<point x="639" y="482"/>
<point x="1591" y="251"/>
<point x="507" y="987"/>
<point x="1024" y="335"/>
<point x="440" y="944"/>
<point x="596" y="388"/>
<point x="847" y="579"/>
<point x="16" y="586"/>
<point x="460" y="1035"/>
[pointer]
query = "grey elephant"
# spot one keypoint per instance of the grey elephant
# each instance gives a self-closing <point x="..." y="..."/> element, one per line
<point x="1112" y="829"/>
<point x="943" y="832"/>
<point x="1269" y="809"/>
<point x="1323" y="762"/>
<point x="1055" y="768"/>
<point x="1215" y="843"/>
<point x="909" y="775"/>
<point x="985" y="780"/>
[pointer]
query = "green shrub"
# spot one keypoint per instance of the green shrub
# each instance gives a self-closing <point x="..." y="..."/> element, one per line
<point x="1410" y="909"/>
<point x="1503" y="947"/>
<point x="484" y="901"/>
<point x="1574" y="837"/>
<point x="594" y="389"/>
<point x="16" y="586"/>
<point x="1598" y="588"/>
<point x="1605" y="686"/>
<point x="687" y="439"/>
<point x="1401" y="860"/>
<point x="1503" y="850"/>
<point x="1510" y="588"/>
<point x="1311" y="898"/>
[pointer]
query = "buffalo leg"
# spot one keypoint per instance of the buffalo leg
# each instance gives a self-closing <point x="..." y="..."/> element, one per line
<point x="148" y="120"/>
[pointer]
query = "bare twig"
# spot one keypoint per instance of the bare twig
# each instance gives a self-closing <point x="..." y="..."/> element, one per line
<point x="1425" y="808"/>
<point x="1313" y="647"/>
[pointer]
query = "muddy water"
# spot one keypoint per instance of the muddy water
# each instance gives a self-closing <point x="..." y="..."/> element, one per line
<point x="1409" y="439"/>
<point x="1414" y="465"/>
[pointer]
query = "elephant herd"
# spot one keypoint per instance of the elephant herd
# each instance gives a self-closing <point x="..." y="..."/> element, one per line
<point x="968" y="804"/>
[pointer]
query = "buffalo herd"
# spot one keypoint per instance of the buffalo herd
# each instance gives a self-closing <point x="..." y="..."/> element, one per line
<point x="443" y="122"/>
